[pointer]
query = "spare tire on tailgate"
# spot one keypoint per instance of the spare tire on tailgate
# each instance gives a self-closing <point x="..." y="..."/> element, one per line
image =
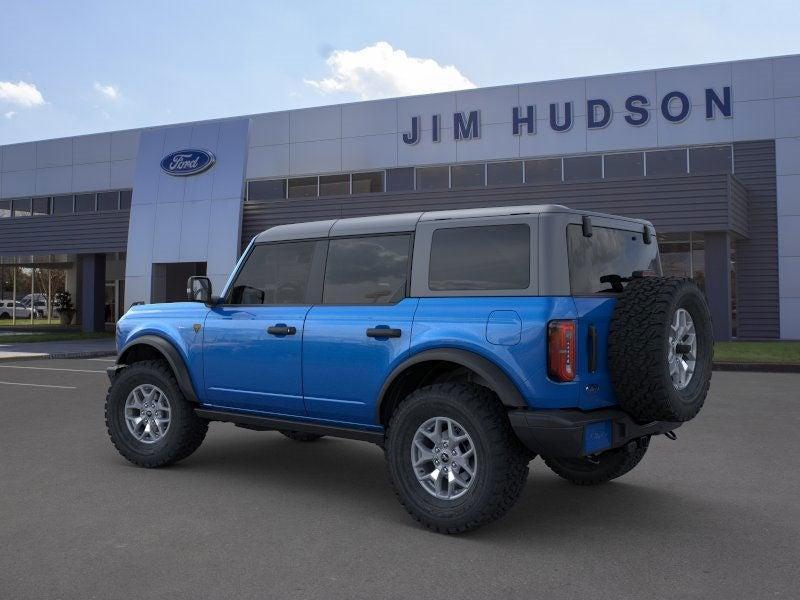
<point x="660" y="348"/>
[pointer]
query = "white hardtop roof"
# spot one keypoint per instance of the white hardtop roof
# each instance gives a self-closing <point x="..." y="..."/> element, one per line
<point x="406" y="222"/>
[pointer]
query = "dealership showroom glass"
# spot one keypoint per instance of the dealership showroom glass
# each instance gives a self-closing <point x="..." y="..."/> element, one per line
<point x="710" y="154"/>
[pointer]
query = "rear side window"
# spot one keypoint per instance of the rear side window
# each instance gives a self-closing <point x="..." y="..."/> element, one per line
<point x="275" y="274"/>
<point x="491" y="257"/>
<point x="607" y="252"/>
<point x="366" y="270"/>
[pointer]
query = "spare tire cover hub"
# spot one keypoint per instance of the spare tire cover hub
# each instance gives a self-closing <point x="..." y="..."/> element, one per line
<point x="682" y="349"/>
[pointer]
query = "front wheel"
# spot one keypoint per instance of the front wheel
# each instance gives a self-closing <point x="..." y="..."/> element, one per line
<point x="149" y="420"/>
<point x="454" y="460"/>
<point x="594" y="470"/>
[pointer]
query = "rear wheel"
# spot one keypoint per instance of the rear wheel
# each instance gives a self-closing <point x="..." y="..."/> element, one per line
<point x="300" y="436"/>
<point x="453" y="459"/>
<point x="149" y="420"/>
<point x="593" y="470"/>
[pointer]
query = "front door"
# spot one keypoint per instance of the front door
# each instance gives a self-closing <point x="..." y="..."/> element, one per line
<point x="362" y="328"/>
<point x="252" y="342"/>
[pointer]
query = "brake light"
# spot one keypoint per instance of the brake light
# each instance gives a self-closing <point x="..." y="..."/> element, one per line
<point x="561" y="350"/>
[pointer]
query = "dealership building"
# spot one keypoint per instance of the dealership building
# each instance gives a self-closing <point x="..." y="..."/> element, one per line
<point x="709" y="154"/>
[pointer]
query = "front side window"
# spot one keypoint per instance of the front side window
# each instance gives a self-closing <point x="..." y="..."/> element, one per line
<point x="274" y="274"/>
<point x="607" y="252"/>
<point x="491" y="257"/>
<point x="366" y="270"/>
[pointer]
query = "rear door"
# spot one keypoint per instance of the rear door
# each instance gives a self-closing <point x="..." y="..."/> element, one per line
<point x="362" y="328"/>
<point x="252" y="344"/>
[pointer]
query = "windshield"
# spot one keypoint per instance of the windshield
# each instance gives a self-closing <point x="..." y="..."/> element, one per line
<point x="607" y="252"/>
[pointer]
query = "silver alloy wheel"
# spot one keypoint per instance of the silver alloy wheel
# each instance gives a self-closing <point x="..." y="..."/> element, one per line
<point x="682" y="351"/>
<point x="443" y="458"/>
<point x="147" y="413"/>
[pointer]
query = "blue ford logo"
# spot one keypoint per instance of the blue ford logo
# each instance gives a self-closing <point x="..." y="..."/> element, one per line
<point x="187" y="162"/>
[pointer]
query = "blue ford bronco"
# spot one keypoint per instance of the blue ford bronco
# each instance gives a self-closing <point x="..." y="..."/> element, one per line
<point x="465" y="343"/>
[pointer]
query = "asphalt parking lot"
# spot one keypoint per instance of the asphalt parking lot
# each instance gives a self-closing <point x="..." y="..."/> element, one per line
<point x="254" y="515"/>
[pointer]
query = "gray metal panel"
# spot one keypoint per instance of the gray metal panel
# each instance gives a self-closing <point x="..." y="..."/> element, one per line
<point x="65" y="234"/>
<point x="671" y="204"/>
<point x="758" y="314"/>
<point x="739" y="207"/>
<point x="378" y="224"/>
<point x="297" y="231"/>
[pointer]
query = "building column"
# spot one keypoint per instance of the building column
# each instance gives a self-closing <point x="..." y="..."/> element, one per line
<point x="718" y="283"/>
<point x="93" y="282"/>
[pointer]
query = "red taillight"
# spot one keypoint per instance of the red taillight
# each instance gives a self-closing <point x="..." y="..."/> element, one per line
<point x="561" y="350"/>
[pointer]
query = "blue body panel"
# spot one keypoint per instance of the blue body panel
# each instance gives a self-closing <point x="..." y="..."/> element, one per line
<point x="175" y="323"/>
<point x="248" y="368"/>
<point x="343" y="369"/>
<point x="331" y="372"/>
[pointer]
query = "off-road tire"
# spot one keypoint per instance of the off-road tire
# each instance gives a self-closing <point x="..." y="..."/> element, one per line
<point x="186" y="430"/>
<point x="502" y="467"/>
<point x="638" y="343"/>
<point x="300" y="436"/>
<point x="602" y="468"/>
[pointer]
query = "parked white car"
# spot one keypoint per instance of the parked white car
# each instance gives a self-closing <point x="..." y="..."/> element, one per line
<point x="12" y="308"/>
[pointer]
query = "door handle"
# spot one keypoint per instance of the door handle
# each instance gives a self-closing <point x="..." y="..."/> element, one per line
<point x="383" y="332"/>
<point x="281" y="329"/>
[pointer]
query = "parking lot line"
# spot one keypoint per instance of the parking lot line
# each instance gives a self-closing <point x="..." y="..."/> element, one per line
<point x="42" y="385"/>
<point x="111" y="360"/>
<point x="51" y="369"/>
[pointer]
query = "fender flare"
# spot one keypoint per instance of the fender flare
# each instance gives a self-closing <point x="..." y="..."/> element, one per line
<point x="497" y="379"/>
<point x="173" y="357"/>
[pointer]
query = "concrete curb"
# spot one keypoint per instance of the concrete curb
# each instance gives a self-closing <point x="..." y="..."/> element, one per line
<point x="54" y="355"/>
<point x="757" y="367"/>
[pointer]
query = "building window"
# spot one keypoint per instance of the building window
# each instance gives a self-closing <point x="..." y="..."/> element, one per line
<point x="433" y="178"/>
<point x="579" y="168"/>
<point x="125" y="199"/>
<point x="366" y="270"/>
<point x="271" y="189"/>
<point x="62" y="205"/>
<point x="547" y="170"/>
<point x="22" y="207"/>
<point x="84" y="203"/>
<point x="5" y="209"/>
<point x="629" y="164"/>
<point x="41" y="206"/>
<point x="662" y="163"/>
<point x="367" y="183"/>
<point x="334" y="185"/>
<point x="504" y="173"/>
<point x="463" y="176"/>
<point x="303" y="187"/>
<point x="400" y="180"/>
<point x="712" y="159"/>
<point x="107" y="201"/>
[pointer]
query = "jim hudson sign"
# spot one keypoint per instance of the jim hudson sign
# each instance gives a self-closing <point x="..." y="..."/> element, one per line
<point x="674" y="106"/>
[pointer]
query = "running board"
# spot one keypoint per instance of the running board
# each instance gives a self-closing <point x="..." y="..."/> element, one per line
<point x="352" y="433"/>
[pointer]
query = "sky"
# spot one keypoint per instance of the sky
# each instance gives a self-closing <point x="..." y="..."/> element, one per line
<point x="71" y="68"/>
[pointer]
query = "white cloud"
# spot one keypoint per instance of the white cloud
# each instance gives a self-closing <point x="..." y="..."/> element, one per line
<point x="380" y="71"/>
<point x="10" y="114"/>
<point x="20" y="93"/>
<point x="109" y="91"/>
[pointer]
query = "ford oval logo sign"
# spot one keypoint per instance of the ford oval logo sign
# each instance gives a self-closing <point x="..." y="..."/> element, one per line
<point x="187" y="162"/>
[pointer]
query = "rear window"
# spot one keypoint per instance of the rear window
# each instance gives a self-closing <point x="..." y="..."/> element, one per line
<point x="607" y="252"/>
<point x="491" y="257"/>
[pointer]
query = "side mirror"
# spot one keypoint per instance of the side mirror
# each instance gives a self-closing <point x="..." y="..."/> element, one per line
<point x="198" y="289"/>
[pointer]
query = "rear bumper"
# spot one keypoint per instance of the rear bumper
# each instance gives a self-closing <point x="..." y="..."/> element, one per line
<point x="569" y="433"/>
